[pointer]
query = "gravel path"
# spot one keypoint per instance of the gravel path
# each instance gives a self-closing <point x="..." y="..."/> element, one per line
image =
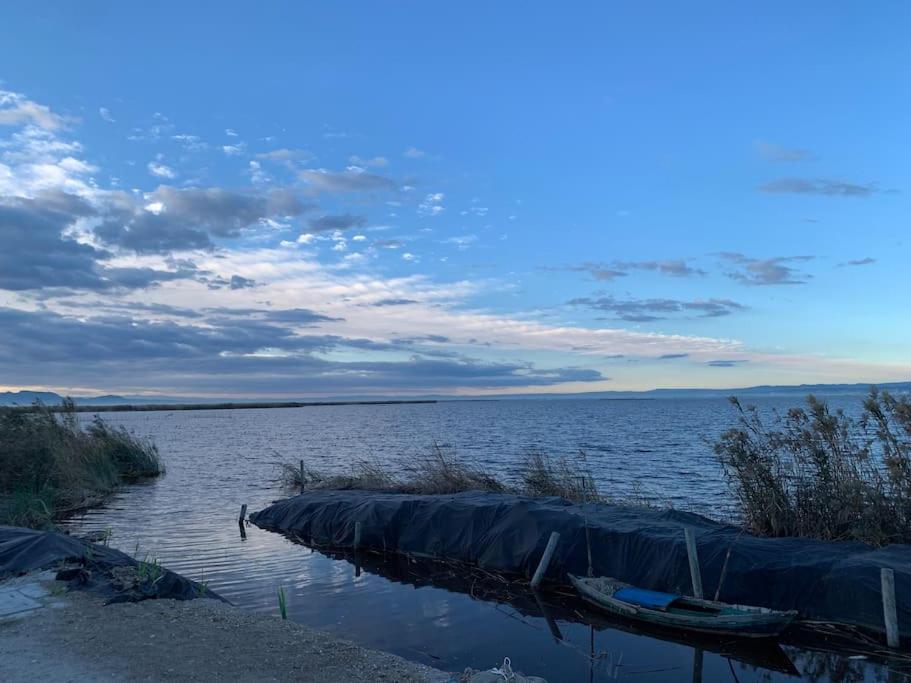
<point x="77" y="638"/>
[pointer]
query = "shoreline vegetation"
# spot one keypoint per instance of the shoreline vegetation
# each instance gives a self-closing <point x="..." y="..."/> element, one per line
<point x="442" y="472"/>
<point x="51" y="466"/>
<point x="815" y="473"/>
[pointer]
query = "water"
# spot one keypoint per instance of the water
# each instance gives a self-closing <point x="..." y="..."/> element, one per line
<point x="218" y="459"/>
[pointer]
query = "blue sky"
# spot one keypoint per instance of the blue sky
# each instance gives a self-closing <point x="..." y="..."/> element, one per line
<point x="408" y="198"/>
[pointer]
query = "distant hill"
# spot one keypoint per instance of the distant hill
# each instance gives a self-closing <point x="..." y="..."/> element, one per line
<point x="25" y="398"/>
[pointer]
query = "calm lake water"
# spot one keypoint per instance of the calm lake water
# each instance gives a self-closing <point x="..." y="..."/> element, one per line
<point x="218" y="459"/>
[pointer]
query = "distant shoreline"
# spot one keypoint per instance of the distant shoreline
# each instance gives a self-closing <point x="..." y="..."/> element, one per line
<point x="142" y="407"/>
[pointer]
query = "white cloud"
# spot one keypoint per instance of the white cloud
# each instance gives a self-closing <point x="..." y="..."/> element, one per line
<point x="74" y="165"/>
<point x="191" y="143"/>
<point x="359" y="238"/>
<point x="352" y="179"/>
<point x="232" y="150"/>
<point x="161" y="170"/>
<point x="408" y="256"/>
<point x="34" y="159"/>
<point x="462" y="241"/>
<point x="286" y="155"/>
<point x="105" y="114"/>
<point x="257" y="175"/>
<point x="415" y="153"/>
<point x="432" y="204"/>
<point x="16" y="110"/>
<point x="377" y="162"/>
<point x="306" y="238"/>
<point x="230" y="132"/>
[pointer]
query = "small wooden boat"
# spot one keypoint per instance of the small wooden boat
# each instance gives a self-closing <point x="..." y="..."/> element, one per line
<point x="681" y="612"/>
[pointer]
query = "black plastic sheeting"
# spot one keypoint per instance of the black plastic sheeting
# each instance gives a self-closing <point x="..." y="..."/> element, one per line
<point x="89" y="566"/>
<point x="836" y="582"/>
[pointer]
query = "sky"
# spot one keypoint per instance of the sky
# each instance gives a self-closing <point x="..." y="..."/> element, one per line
<point x="400" y="199"/>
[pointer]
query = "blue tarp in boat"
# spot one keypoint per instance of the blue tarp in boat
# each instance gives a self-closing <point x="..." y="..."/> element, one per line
<point x="838" y="582"/>
<point x="645" y="598"/>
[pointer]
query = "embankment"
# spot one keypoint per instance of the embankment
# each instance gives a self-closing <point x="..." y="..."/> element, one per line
<point x="505" y="533"/>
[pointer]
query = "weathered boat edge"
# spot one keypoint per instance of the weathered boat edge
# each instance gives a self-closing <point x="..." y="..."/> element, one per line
<point x="763" y="623"/>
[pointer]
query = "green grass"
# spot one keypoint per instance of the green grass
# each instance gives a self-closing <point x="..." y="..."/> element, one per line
<point x="51" y="466"/>
<point x="282" y="602"/>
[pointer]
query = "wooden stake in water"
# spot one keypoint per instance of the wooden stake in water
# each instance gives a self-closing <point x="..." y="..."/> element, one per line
<point x="890" y="614"/>
<point x="588" y="540"/>
<point x="358" y="527"/>
<point x="695" y="573"/>
<point x="724" y="572"/>
<point x="240" y="521"/>
<point x="697" y="666"/>
<point x="302" y="475"/>
<point x="545" y="559"/>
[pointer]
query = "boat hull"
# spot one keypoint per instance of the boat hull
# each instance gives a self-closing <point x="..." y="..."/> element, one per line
<point x="745" y="622"/>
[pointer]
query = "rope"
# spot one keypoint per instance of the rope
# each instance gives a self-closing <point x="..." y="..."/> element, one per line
<point x="505" y="671"/>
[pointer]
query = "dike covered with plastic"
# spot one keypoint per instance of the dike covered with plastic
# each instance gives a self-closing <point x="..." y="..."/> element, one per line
<point x="91" y="566"/>
<point x="827" y="581"/>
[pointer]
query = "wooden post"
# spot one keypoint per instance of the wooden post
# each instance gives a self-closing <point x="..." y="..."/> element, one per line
<point x="545" y="559"/>
<point x="695" y="573"/>
<point x="890" y="614"/>
<point x="358" y="527"/>
<point x="243" y="513"/>
<point x="697" y="666"/>
<point x="724" y="572"/>
<point x="302" y="475"/>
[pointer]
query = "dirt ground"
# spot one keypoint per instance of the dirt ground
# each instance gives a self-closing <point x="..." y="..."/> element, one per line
<point x="74" y="637"/>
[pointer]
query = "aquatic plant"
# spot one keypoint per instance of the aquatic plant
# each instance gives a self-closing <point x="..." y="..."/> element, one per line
<point x="51" y="466"/>
<point x="822" y="474"/>
<point x="149" y="571"/>
<point x="282" y="602"/>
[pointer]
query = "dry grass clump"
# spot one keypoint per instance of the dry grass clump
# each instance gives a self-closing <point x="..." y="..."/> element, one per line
<point x="570" y="479"/>
<point x="365" y="474"/>
<point x="441" y="471"/>
<point x="49" y="465"/>
<point x="820" y="474"/>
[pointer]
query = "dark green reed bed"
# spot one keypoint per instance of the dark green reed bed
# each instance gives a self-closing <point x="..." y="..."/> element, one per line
<point x="821" y="474"/>
<point x="50" y="465"/>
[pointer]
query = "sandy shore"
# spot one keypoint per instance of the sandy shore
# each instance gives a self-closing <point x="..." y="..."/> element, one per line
<point x="74" y="637"/>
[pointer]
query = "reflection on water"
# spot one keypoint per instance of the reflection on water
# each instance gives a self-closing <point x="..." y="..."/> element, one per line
<point x="218" y="460"/>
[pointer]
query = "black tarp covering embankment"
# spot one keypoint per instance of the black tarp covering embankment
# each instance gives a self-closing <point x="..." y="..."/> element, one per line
<point x="91" y="566"/>
<point x="838" y="582"/>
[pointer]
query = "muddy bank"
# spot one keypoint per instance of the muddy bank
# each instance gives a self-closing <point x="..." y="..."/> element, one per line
<point x="74" y="610"/>
<point x="74" y="636"/>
